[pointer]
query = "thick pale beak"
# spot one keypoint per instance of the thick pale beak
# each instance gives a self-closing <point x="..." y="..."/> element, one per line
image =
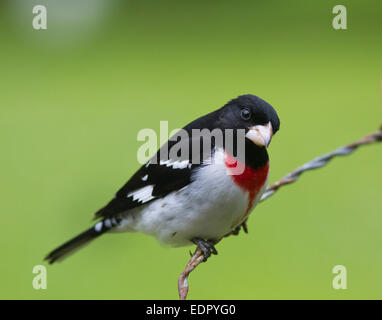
<point x="260" y="135"/>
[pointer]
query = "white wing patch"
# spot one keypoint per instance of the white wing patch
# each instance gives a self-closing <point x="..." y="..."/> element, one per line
<point x="98" y="226"/>
<point x="175" y="164"/>
<point x="142" y="195"/>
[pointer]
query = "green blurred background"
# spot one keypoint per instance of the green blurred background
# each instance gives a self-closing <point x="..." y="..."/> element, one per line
<point x="73" y="98"/>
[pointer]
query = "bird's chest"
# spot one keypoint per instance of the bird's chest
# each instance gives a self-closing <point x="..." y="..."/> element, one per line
<point x="231" y="194"/>
<point x="251" y="181"/>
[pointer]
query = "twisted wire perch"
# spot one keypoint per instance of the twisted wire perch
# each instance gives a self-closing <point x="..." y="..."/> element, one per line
<point x="321" y="161"/>
<point x="291" y="177"/>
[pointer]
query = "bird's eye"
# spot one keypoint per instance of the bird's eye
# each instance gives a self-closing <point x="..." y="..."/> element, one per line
<point x="245" y="114"/>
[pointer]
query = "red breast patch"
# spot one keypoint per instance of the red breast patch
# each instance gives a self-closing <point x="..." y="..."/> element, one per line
<point x="251" y="180"/>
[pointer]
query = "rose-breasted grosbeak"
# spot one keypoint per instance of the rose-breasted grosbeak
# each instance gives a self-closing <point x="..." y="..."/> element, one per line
<point x="181" y="202"/>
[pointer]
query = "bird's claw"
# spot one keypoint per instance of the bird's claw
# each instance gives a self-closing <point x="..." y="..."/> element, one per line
<point x="206" y="246"/>
<point x="245" y="227"/>
<point x="236" y="231"/>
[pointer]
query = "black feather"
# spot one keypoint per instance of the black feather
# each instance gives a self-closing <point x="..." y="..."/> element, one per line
<point x="80" y="241"/>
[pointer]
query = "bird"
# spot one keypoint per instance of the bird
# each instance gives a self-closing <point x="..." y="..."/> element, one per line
<point x="182" y="201"/>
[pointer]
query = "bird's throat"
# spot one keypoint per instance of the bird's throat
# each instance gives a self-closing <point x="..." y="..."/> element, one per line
<point x="251" y="179"/>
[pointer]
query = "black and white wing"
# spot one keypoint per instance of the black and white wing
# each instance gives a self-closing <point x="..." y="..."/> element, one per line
<point x="153" y="180"/>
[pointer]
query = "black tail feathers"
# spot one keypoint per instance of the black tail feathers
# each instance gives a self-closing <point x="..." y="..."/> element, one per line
<point x="80" y="241"/>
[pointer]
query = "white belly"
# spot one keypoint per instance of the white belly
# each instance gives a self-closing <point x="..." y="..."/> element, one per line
<point x="208" y="208"/>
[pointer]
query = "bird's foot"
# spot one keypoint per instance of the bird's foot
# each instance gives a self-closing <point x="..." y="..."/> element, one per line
<point x="236" y="231"/>
<point x="238" y="228"/>
<point x="206" y="246"/>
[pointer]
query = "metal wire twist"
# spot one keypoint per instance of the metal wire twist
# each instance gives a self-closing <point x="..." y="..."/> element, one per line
<point x="320" y="162"/>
